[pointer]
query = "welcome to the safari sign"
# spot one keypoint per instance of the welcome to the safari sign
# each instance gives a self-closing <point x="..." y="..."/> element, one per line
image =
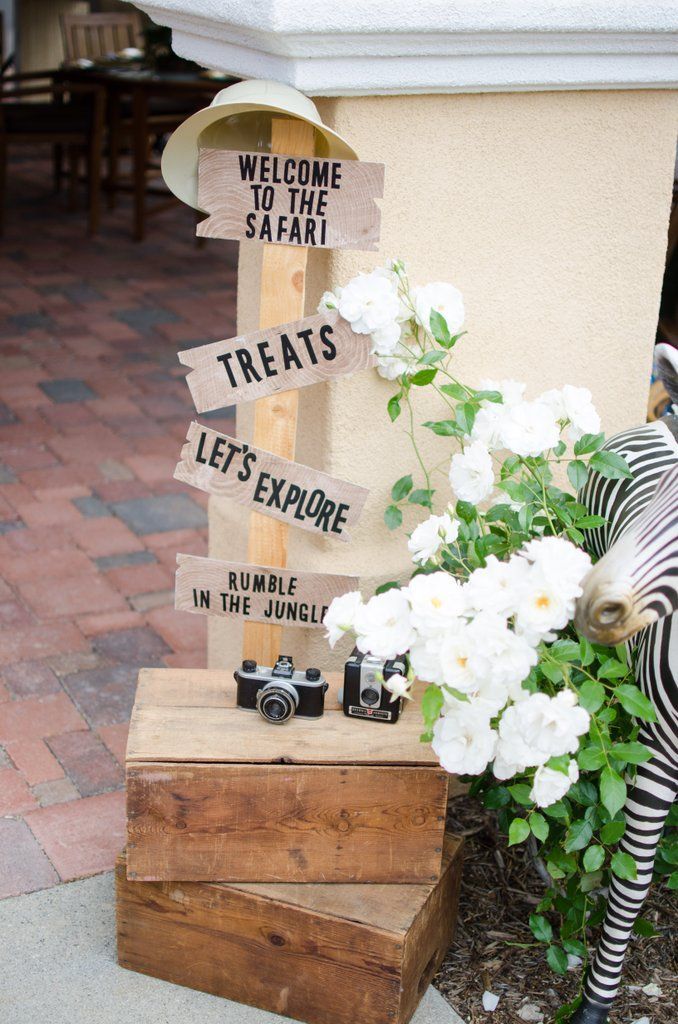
<point x="288" y="197"/>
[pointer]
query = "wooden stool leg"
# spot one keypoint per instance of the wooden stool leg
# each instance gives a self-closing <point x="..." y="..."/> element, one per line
<point x="140" y="159"/>
<point x="114" y="143"/>
<point x="73" y="162"/>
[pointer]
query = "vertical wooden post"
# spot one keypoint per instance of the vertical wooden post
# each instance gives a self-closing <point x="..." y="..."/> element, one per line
<point x="283" y="281"/>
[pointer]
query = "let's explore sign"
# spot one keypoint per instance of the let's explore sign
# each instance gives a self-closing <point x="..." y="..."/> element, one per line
<point x="209" y="586"/>
<point x="296" y="494"/>
<point x="291" y="200"/>
<point x="277" y="359"/>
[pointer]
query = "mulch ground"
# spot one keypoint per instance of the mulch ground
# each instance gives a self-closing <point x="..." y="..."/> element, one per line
<point x="500" y="889"/>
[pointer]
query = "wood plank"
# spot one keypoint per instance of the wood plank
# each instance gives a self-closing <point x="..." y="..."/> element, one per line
<point x="283" y="292"/>
<point x="288" y="491"/>
<point x="261" y="593"/>
<point x="278" y="357"/>
<point x="324" y="954"/>
<point x="299" y="823"/>
<point x="343" y="215"/>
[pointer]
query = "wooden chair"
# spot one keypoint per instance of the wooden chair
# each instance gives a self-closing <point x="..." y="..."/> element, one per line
<point x="70" y="116"/>
<point x="96" y="35"/>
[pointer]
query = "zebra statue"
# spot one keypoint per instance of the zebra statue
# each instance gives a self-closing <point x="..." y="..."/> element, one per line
<point x="633" y="592"/>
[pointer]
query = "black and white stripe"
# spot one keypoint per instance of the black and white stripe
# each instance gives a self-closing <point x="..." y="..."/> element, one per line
<point x="651" y="452"/>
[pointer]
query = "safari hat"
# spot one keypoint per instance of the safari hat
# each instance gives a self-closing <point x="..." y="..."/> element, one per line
<point x="231" y="122"/>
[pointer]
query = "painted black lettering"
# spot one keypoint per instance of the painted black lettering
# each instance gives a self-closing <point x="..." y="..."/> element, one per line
<point x="217" y="449"/>
<point x="260" y="489"/>
<point x="248" y="461"/>
<point x="290" y="357"/>
<point x="329" y="348"/>
<point x="224" y="359"/>
<point x="248" y="166"/>
<point x="201" y="445"/>
<point x="251" y="220"/>
<point x="305" y="335"/>
<point x="247" y="366"/>
<point x="266" y="360"/>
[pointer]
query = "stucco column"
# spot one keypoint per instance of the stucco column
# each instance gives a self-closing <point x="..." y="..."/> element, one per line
<point x="529" y="160"/>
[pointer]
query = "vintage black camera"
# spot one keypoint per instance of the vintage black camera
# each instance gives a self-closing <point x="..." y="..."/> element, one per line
<point x="280" y="693"/>
<point x="364" y="694"/>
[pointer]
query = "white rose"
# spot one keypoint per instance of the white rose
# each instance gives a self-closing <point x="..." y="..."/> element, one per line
<point x="500" y="654"/>
<point x="576" y="405"/>
<point x="498" y="586"/>
<point x="550" y="785"/>
<point x="529" y="429"/>
<point x="511" y="391"/>
<point x="560" y="562"/>
<point x="436" y="600"/>
<point x="471" y="473"/>
<point x="456" y="659"/>
<point x="397" y="363"/>
<point x="549" y="726"/>
<point x="385" y="340"/>
<point x="383" y="625"/>
<point x="513" y="753"/>
<point x="444" y="299"/>
<point x="425" y="659"/>
<point x="464" y="740"/>
<point x="340" y="616"/>
<point x="488" y="425"/>
<point x="398" y="686"/>
<point x="505" y="769"/>
<point x="426" y="538"/>
<point x="369" y="302"/>
<point x="329" y="301"/>
<point x="542" y="607"/>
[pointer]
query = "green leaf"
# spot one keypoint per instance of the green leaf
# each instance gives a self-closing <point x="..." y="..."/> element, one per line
<point x="455" y="391"/>
<point x="496" y="797"/>
<point x="594" y="858"/>
<point x="519" y="830"/>
<point x="591" y="522"/>
<point x="635" y="702"/>
<point x="539" y="826"/>
<point x="434" y="356"/>
<point x="390" y="585"/>
<point x="577" y="474"/>
<point x="439" y="329"/>
<point x="591" y="695"/>
<point x="444" y="428"/>
<point x="557" y="959"/>
<point x="488" y="396"/>
<point x="466" y="511"/>
<point x="623" y="866"/>
<point x="421" y="497"/>
<point x="591" y="758"/>
<point x="588" y="443"/>
<point x="578" y="835"/>
<point x="557" y="810"/>
<point x="584" y="793"/>
<point x="561" y="763"/>
<point x="587" y="654"/>
<point x="590" y="881"/>
<point x="612" y="832"/>
<point x="466" y="415"/>
<point x="642" y="926"/>
<point x="431" y="703"/>
<point x="575" y="947"/>
<point x="401" y="488"/>
<point x="393" y="408"/>
<point x="393" y="517"/>
<point x="613" y="669"/>
<point x="633" y="753"/>
<point x="612" y="790"/>
<point x="541" y="928"/>
<point x="521" y="794"/>
<point x="610" y="465"/>
<point x="673" y="880"/>
<point x="423" y="377"/>
<point x="564" y="650"/>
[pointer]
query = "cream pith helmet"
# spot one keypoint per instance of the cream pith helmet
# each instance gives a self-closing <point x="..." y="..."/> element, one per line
<point x="230" y="122"/>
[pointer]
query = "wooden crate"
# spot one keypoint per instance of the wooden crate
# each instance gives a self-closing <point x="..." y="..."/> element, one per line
<point x="215" y="793"/>
<point x="325" y="954"/>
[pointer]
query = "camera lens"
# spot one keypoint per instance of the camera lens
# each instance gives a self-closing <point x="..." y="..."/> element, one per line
<point x="370" y="696"/>
<point x="276" y="704"/>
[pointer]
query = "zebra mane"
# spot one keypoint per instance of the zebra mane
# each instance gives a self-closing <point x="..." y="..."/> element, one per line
<point x="666" y="368"/>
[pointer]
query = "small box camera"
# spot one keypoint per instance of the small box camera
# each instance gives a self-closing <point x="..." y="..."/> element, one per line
<point x="364" y="694"/>
<point x="280" y="692"/>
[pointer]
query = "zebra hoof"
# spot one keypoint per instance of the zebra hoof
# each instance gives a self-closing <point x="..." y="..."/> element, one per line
<point x="590" y="1013"/>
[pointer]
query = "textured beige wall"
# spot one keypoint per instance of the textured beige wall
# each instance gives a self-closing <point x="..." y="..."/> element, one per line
<point x="550" y="212"/>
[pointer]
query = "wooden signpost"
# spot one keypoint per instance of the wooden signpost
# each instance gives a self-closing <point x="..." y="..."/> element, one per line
<point x="257" y="592"/>
<point x="241" y="369"/>
<point x="290" y="199"/>
<point x="286" y="490"/>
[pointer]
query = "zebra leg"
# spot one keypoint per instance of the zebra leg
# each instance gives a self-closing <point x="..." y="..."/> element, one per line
<point x="646" y="808"/>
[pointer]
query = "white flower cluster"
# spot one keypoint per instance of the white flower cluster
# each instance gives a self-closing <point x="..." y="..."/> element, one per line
<point x="371" y="303"/>
<point x="478" y="642"/>
<point x="525" y="428"/>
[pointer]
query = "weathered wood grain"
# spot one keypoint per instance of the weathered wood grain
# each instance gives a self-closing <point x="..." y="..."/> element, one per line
<point x="282" y="295"/>
<point x="325" y="954"/>
<point x="284" y="356"/>
<point x="244" y="200"/>
<point x="209" y="586"/>
<point x="289" y="491"/>
<point x="294" y="823"/>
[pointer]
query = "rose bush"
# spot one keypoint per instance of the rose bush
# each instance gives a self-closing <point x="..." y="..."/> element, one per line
<point x="542" y="723"/>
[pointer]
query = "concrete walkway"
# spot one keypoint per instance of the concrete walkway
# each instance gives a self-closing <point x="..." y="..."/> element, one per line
<point x="58" y="966"/>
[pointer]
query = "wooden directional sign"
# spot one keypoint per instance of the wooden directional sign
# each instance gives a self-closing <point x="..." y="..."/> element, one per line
<point x="278" y="359"/>
<point x="286" y="490"/>
<point x="257" y="592"/>
<point x="290" y="200"/>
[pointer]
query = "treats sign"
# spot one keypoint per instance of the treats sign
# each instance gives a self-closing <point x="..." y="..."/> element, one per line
<point x="290" y="200"/>
<point x="262" y="363"/>
<point x="286" y="490"/>
<point x="276" y="596"/>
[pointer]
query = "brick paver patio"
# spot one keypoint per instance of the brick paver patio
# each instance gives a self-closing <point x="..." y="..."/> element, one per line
<point x="93" y="411"/>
